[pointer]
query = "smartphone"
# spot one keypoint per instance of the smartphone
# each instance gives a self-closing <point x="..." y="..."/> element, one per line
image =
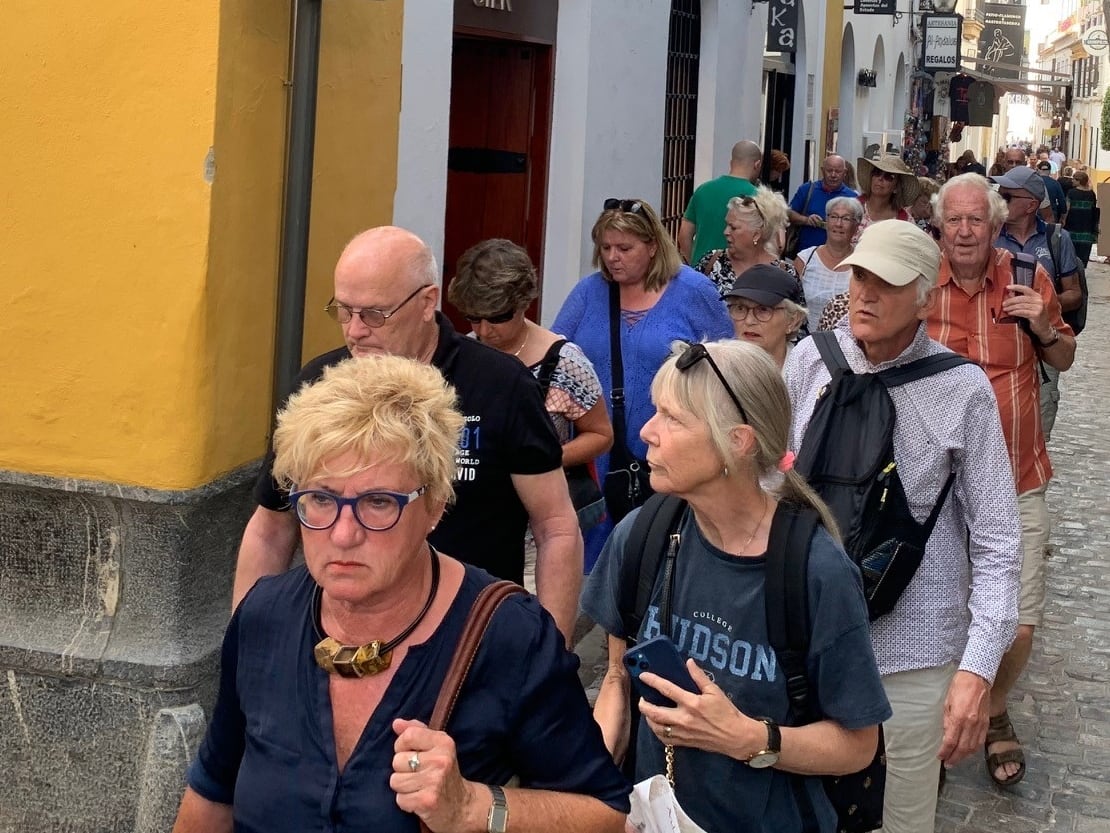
<point x="659" y="656"/>
<point x="1022" y="266"/>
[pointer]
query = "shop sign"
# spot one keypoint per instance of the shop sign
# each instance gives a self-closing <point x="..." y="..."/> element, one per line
<point x="941" y="42"/>
<point x="782" y="26"/>
<point x="875" y="7"/>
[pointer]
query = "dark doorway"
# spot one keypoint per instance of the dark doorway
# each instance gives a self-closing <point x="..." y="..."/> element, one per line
<point x="498" y="145"/>
<point x="779" y="126"/>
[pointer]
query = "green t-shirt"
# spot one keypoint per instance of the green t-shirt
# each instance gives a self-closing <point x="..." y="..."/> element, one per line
<point x="707" y="209"/>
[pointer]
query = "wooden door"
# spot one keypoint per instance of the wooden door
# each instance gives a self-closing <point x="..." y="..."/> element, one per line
<point x="497" y="156"/>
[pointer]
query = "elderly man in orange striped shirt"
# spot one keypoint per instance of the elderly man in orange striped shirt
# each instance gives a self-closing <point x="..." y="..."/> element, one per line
<point x="1007" y="328"/>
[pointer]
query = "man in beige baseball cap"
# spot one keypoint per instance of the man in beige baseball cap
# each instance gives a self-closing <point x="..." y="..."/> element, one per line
<point x="938" y="650"/>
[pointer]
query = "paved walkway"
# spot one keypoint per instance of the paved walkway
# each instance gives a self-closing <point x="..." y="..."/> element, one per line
<point x="1061" y="707"/>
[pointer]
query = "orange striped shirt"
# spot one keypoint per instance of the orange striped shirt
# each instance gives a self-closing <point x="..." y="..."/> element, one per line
<point x="966" y="324"/>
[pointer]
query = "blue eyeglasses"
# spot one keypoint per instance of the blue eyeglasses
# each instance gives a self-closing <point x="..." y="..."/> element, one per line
<point x="376" y="511"/>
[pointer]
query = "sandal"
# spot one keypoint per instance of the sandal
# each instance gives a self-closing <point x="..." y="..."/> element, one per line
<point x="1002" y="730"/>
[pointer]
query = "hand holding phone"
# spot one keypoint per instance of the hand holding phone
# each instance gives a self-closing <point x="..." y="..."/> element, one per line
<point x="1023" y="266"/>
<point x="659" y="656"/>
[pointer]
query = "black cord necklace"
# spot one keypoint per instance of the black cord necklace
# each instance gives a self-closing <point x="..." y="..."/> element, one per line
<point x="356" y="661"/>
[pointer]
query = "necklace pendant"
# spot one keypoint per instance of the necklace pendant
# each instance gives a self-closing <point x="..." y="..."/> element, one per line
<point x="352" y="661"/>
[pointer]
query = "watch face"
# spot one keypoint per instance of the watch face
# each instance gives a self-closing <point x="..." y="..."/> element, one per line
<point x="764" y="759"/>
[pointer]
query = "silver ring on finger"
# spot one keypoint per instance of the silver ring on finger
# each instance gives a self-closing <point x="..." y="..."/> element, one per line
<point x="414" y="762"/>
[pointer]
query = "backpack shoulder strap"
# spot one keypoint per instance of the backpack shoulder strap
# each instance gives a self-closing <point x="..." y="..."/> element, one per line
<point x="548" y="364"/>
<point x="920" y="368"/>
<point x="1054" y="253"/>
<point x="830" y="351"/>
<point x="643" y="553"/>
<point x="787" y="600"/>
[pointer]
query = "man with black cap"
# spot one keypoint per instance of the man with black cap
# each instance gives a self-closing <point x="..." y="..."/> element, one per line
<point x="1024" y="231"/>
<point x="939" y="648"/>
<point x="767" y="308"/>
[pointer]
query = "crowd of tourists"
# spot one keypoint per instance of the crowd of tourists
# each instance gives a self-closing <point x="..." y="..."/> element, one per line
<point x="793" y="462"/>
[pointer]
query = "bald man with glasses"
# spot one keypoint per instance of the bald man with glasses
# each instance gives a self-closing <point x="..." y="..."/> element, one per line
<point x="509" y="461"/>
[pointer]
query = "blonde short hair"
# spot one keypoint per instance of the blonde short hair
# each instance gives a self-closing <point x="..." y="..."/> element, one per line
<point x="765" y="211"/>
<point x="380" y="408"/>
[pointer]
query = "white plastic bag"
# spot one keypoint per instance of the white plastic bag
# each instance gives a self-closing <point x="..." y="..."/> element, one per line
<point x="656" y="810"/>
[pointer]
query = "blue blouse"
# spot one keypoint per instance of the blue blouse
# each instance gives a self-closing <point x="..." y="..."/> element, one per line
<point x="270" y="750"/>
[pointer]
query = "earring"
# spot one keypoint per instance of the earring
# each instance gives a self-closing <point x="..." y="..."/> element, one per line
<point x="724" y="472"/>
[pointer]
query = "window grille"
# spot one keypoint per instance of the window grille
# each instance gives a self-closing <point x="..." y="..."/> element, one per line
<point x="681" y="114"/>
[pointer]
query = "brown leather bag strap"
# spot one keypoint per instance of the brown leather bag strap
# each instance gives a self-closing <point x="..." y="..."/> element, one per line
<point x="477" y="621"/>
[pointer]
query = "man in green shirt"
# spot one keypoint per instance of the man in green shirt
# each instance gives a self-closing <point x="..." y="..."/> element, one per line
<point x="703" y="224"/>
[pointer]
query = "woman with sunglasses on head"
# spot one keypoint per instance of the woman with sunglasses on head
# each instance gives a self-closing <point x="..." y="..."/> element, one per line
<point x="329" y="673"/>
<point x="822" y="278"/>
<point x="494" y="283"/>
<point x="755" y="231"/>
<point x="887" y="190"/>
<point x="643" y="288"/>
<point x="718" y="440"/>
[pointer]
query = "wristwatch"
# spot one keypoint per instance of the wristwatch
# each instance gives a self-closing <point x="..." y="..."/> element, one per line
<point x="1051" y="340"/>
<point x="498" y="819"/>
<point x="770" y="755"/>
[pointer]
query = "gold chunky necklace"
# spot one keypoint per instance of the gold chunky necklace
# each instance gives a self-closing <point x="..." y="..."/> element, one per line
<point x="356" y="661"/>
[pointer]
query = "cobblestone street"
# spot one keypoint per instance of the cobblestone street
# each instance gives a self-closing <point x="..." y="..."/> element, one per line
<point x="1061" y="707"/>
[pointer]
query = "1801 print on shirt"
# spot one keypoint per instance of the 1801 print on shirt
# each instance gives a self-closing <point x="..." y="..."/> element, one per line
<point x="467" y="457"/>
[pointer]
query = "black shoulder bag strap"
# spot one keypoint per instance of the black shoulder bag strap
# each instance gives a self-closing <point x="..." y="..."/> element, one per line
<point x="809" y="196"/>
<point x="921" y="368"/>
<point x="548" y="364"/>
<point x="830" y="351"/>
<point x="787" y="603"/>
<point x="620" y="437"/>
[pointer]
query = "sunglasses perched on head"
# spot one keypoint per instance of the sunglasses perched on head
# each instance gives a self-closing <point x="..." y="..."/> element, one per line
<point x="627" y="206"/>
<point x="694" y="354"/>
<point x="749" y="202"/>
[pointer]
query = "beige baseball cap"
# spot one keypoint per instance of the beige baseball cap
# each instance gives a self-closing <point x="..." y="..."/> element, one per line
<point x="897" y="251"/>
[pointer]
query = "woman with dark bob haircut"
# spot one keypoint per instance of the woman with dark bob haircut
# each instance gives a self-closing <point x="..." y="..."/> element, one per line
<point x="494" y="283"/>
<point x="643" y="289"/>
<point x="329" y="672"/>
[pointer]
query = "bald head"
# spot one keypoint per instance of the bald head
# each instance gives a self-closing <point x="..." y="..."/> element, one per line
<point x="746" y="159"/>
<point x="391" y="270"/>
<point x="393" y="252"/>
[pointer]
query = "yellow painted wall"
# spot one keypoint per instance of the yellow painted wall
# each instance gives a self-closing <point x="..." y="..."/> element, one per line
<point x="138" y="298"/>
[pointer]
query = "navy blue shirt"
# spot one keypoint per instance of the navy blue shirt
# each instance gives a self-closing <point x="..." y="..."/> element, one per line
<point x="718" y="617"/>
<point x="270" y="749"/>
<point x="1037" y="245"/>
<point x="808" y="235"/>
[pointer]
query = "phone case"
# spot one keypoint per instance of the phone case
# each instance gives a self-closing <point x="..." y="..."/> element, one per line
<point x="659" y="656"/>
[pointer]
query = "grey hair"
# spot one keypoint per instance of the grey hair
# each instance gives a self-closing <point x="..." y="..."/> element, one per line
<point x="996" y="206"/>
<point x="798" y="311"/>
<point x="850" y="204"/>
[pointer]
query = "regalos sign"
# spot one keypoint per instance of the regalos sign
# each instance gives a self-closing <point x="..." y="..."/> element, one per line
<point x="941" y="44"/>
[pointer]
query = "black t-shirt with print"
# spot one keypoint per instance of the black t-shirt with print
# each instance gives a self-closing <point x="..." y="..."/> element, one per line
<point x="508" y="431"/>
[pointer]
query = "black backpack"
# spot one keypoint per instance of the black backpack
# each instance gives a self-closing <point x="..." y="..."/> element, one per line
<point x="1075" y="318"/>
<point x="847" y="457"/>
<point x="857" y="798"/>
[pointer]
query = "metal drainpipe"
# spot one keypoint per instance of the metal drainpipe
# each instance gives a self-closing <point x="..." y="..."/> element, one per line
<point x="297" y="199"/>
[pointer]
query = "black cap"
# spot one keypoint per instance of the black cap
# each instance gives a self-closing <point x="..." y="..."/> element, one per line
<point x="767" y="285"/>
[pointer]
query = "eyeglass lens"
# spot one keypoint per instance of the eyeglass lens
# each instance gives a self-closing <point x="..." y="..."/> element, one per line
<point x="372" y="318"/>
<point x="740" y="312"/>
<point x="376" y="511"/>
<point x="694" y="354"/>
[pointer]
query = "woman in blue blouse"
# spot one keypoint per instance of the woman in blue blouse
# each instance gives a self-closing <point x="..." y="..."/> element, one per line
<point x="329" y="673"/>
<point x="661" y="300"/>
